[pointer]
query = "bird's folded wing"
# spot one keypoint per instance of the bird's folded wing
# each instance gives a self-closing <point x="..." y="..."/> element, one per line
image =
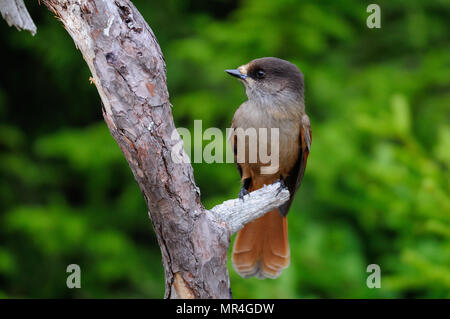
<point x="294" y="180"/>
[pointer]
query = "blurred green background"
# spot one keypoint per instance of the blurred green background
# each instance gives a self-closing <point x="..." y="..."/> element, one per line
<point x="376" y="188"/>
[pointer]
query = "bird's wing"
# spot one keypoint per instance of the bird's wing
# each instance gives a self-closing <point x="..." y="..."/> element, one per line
<point x="294" y="180"/>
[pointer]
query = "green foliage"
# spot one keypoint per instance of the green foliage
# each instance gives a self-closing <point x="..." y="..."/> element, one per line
<point x="376" y="188"/>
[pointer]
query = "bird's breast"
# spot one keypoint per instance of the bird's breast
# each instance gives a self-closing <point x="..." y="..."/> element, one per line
<point x="267" y="134"/>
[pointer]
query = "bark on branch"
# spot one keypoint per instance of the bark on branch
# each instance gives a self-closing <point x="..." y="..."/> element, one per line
<point x="129" y="72"/>
<point x="236" y="212"/>
<point x="15" y="14"/>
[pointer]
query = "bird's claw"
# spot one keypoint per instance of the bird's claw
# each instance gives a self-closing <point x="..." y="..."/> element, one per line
<point x="282" y="186"/>
<point x="242" y="193"/>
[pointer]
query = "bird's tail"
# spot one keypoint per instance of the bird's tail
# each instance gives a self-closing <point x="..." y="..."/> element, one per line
<point x="261" y="248"/>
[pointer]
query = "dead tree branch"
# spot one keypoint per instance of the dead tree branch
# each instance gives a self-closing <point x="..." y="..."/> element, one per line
<point x="236" y="212"/>
<point x="129" y="72"/>
<point x="15" y="14"/>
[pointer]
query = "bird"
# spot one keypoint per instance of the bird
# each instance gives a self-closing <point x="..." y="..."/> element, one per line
<point x="275" y="100"/>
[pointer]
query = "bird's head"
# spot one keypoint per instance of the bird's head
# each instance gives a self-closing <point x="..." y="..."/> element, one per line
<point x="271" y="81"/>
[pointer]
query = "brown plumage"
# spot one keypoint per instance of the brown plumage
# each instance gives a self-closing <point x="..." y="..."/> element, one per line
<point x="274" y="89"/>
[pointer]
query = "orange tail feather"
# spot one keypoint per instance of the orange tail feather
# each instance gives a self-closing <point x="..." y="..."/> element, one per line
<point x="261" y="248"/>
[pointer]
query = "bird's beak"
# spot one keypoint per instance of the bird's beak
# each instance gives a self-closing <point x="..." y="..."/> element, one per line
<point x="236" y="73"/>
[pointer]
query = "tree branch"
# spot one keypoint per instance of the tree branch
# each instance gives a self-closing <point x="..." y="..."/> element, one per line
<point x="129" y="72"/>
<point x="236" y="213"/>
<point x="15" y="13"/>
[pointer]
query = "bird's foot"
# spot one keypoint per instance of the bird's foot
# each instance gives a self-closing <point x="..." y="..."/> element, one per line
<point x="282" y="185"/>
<point x="243" y="192"/>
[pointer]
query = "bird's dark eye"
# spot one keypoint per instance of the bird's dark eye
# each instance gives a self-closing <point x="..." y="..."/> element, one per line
<point x="260" y="74"/>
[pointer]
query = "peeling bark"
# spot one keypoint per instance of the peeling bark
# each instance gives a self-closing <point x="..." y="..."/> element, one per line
<point x="129" y="72"/>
